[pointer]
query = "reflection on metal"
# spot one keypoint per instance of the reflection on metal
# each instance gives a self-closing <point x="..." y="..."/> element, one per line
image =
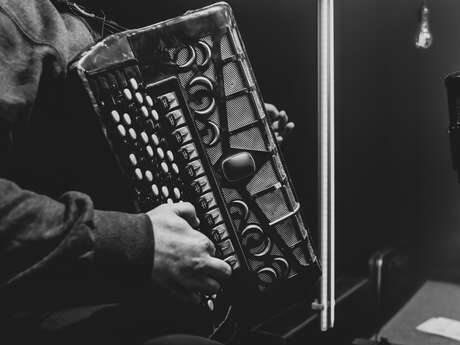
<point x="424" y="37"/>
<point x="326" y="160"/>
<point x="261" y="244"/>
<point x="207" y="53"/>
<point x="207" y="84"/>
<point x="214" y="134"/>
<point x="286" y="216"/>
<point x="191" y="59"/>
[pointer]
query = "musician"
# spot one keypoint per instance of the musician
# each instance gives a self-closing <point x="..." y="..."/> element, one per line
<point x="45" y="243"/>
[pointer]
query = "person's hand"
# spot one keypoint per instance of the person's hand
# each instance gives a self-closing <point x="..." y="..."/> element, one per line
<point x="183" y="259"/>
<point x="280" y="122"/>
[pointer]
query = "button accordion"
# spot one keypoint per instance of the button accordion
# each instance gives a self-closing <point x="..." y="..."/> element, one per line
<point x="176" y="113"/>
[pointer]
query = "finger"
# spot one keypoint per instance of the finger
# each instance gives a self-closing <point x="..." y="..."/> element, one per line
<point x="290" y="126"/>
<point x="186" y="211"/>
<point x="288" y="129"/>
<point x="272" y="111"/>
<point x="216" y="268"/>
<point x="279" y="139"/>
<point x="209" y="246"/>
<point x="275" y="126"/>
<point x="283" y="118"/>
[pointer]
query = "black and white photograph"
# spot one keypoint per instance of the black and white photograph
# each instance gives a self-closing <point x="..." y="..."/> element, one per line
<point x="239" y="172"/>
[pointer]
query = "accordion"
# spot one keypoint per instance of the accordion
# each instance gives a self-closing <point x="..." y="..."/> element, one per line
<point x="173" y="112"/>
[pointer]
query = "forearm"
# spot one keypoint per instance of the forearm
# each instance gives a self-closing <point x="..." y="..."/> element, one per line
<point x="43" y="240"/>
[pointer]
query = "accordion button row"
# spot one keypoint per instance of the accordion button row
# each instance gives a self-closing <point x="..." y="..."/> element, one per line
<point x="200" y="186"/>
<point x="149" y="127"/>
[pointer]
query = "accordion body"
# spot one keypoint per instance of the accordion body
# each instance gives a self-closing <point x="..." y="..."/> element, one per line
<point x="172" y="112"/>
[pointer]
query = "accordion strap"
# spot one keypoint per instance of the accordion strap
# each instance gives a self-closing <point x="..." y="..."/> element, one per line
<point x="99" y="23"/>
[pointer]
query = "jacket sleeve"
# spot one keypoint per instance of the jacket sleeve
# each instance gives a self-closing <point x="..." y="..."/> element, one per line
<point x="46" y="240"/>
<point x="41" y="236"/>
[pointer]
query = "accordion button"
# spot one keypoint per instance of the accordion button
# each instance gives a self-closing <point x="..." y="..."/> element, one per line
<point x="133" y="159"/>
<point x="132" y="133"/>
<point x="207" y="202"/>
<point x="155" y="140"/>
<point x="139" y="97"/>
<point x="149" y="150"/>
<point x="176" y="192"/>
<point x="197" y="188"/>
<point x="175" y="168"/>
<point x="169" y="100"/>
<point x="160" y="153"/>
<point x="144" y="111"/>
<point x="226" y="248"/>
<point x="170" y="156"/>
<point x="115" y="116"/>
<point x="134" y="84"/>
<point x="238" y="167"/>
<point x="155" y="190"/>
<point x="219" y="233"/>
<point x="138" y="173"/>
<point x="203" y="204"/>
<point x="149" y="101"/>
<point x="121" y="130"/>
<point x="170" y="201"/>
<point x="128" y="94"/>
<point x="210" y="304"/>
<point x="178" y="138"/>
<point x="155" y="115"/>
<point x="164" y="167"/>
<point x="182" y="135"/>
<point x="194" y="169"/>
<point x="149" y="176"/>
<point x="171" y="120"/>
<point x="191" y="171"/>
<point x="188" y="153"/>
<point x="232" y="261"/>
<point x="210" y="220"/>
<point x="200" y="185"/>
<point x="145" y="137"/>
<point x="127" y="119"/>
<point x="165" y="191"/>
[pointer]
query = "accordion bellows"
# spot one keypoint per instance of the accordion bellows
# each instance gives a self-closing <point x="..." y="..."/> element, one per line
<point x="181" y="117"/>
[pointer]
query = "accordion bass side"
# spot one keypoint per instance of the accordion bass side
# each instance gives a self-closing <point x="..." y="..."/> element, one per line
<point x="177" y="115"/>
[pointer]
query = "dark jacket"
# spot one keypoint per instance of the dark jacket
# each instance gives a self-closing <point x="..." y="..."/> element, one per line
<point x="45" y="242"/>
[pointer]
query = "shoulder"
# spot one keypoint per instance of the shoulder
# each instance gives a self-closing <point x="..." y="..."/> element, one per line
<point x="41" y="24"/>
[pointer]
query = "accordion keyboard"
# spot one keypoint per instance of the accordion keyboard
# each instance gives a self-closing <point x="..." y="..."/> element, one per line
<point x="151" y="130"/>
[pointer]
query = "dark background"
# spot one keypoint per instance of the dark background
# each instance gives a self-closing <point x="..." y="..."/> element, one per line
<point x="394" y="177"/>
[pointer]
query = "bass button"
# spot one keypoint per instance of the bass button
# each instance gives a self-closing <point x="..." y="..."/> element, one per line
<point x="225" y="248"/>
<point x="219" y="233"/>
<point x="233" y="261"/>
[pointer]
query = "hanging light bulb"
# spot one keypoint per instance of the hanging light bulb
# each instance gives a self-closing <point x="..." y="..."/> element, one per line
<point x="424" y="38"/>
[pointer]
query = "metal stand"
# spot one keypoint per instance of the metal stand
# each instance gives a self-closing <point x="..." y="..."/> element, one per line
<point x="326" y="128"/>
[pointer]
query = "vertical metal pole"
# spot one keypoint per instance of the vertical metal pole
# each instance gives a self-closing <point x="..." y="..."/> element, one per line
<point x="332" y="162"/>
<point x="326" y="158"/>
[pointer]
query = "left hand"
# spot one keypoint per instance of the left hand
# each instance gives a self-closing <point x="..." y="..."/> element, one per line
<point x="279" y="121"/>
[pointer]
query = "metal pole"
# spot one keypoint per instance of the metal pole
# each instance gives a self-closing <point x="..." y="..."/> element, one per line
<point x="326" y="124"/>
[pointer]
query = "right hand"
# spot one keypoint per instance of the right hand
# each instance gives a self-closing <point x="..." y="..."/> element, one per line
<point x="184" y="261"/>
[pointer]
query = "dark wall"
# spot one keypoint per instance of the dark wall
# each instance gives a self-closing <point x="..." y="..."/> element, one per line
<point x="394" y="176"/>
